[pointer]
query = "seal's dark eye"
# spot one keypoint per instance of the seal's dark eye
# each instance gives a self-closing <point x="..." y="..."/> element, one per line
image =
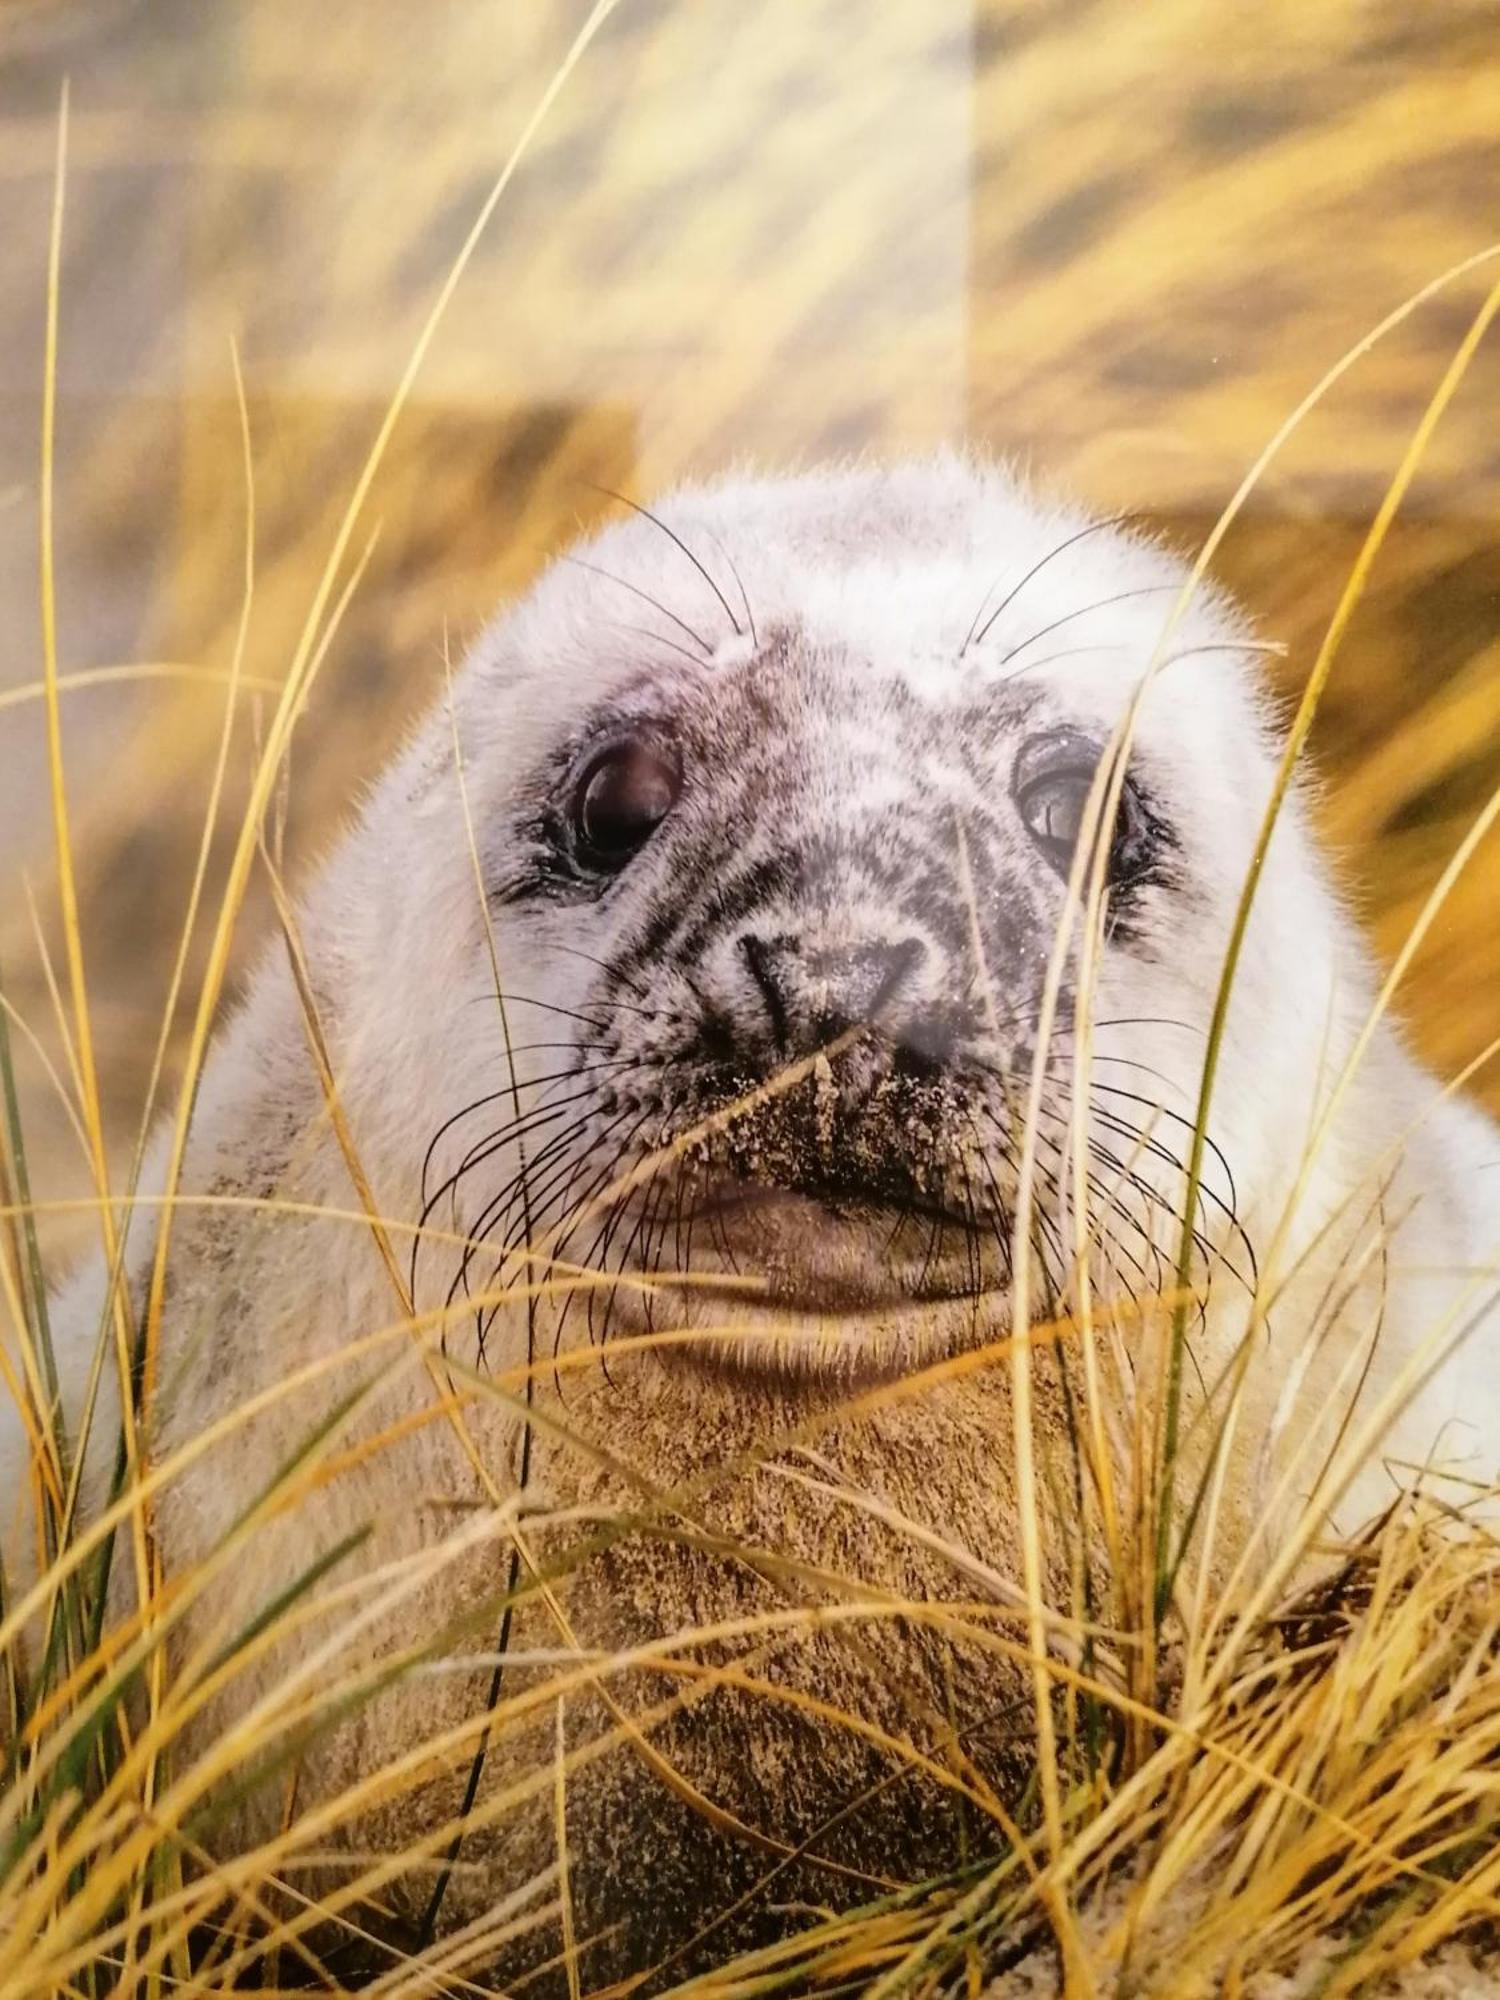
<point x="1053" y="809"/>
<point x="625" y="793"/>
<point x="1053" y="777"/>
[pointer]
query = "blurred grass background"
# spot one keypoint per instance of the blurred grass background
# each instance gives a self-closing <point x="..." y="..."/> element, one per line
<point x="1118" y="242"/>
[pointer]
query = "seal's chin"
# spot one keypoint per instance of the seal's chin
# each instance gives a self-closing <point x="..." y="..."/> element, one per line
<point x="815" y="1284"/>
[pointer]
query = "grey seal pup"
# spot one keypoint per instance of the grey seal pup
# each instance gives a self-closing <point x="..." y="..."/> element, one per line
<point x="699" y="1029"/>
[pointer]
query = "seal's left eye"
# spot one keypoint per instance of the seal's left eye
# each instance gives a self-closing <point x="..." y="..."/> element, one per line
<point x="624" y="794"/>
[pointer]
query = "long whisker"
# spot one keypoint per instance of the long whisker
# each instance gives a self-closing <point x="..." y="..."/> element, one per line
<point x="619" y="1209"/>
<point x="449" y="1187"/>
<point x="532" y="1120"/>
<point x="672" y="536"/>
<point x="1002" y="1215"/>
<point x="646" y="597"/>
<point x="656" y="638"/>
<point x="498" y="1206"/>
<point x="1111" y="1201"/>
<point x="1186" y="653"/>
<point x="740" y="581"/>
<point x="497" y="1209"/>
<point x="1085" y="611"/>
<point x="971" y="1247"/>
<point x="631" y="982"/>
<point x="1210" y="1252"/>
<point x="557" y="1158"/>
<point x="1116" y="1122"/>
<point x="642" y="1233"/>
<point x="570" y="1013"/>
<point x="550" y="1209"/>
<point x="1094" y="528"/>
<point x="509" y="1091"/>
<point x="583" y="1207"/>
<point x="1050" y="1179"/>
<point x="557" y="1166"/>
<point x="547" y="1006"/>
<point x="1151" y="1021"/>
<point x="1206" y="1194"/>
<point x="1231" y="1210"/>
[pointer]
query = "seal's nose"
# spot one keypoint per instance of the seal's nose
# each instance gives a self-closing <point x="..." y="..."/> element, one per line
<point x="812" y="993"/>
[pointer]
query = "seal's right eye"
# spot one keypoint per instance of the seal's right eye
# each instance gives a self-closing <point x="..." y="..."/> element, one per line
<point x="625" y="792"/>
<point x="1053" y="778"/>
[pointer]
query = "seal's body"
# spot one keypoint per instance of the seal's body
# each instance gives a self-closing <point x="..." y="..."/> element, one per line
<point x="711" y="942"/>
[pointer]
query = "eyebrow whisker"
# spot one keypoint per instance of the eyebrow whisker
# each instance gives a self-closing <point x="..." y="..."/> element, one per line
<point x="656" y="604"/>
<point x="973" y="638"/>
<point x="1084" y="611"/>
<point x="673" y="537"/>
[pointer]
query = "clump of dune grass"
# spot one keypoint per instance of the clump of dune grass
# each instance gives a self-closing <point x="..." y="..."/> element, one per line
<point x="1284" y="1782"/>
<point x="1326" y="1821"/>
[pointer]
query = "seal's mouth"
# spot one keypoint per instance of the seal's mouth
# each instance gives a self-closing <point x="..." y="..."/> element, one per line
<point x="831" y="1231"/>
<point x="834" y="1250"/>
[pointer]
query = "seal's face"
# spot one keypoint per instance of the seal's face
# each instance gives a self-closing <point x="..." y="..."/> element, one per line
<point x="823" y="930"/>
<point x="783" y="792"/>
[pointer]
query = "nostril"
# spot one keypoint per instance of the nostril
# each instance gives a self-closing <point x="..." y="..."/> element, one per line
<point x="886" y="969"/>
<point x="812" y="992"/>
<point x="926" y="1043"/>
<point x="766" y="959"/>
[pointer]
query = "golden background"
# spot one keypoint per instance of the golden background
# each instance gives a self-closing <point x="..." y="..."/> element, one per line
<point x="1118" y="241"/>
